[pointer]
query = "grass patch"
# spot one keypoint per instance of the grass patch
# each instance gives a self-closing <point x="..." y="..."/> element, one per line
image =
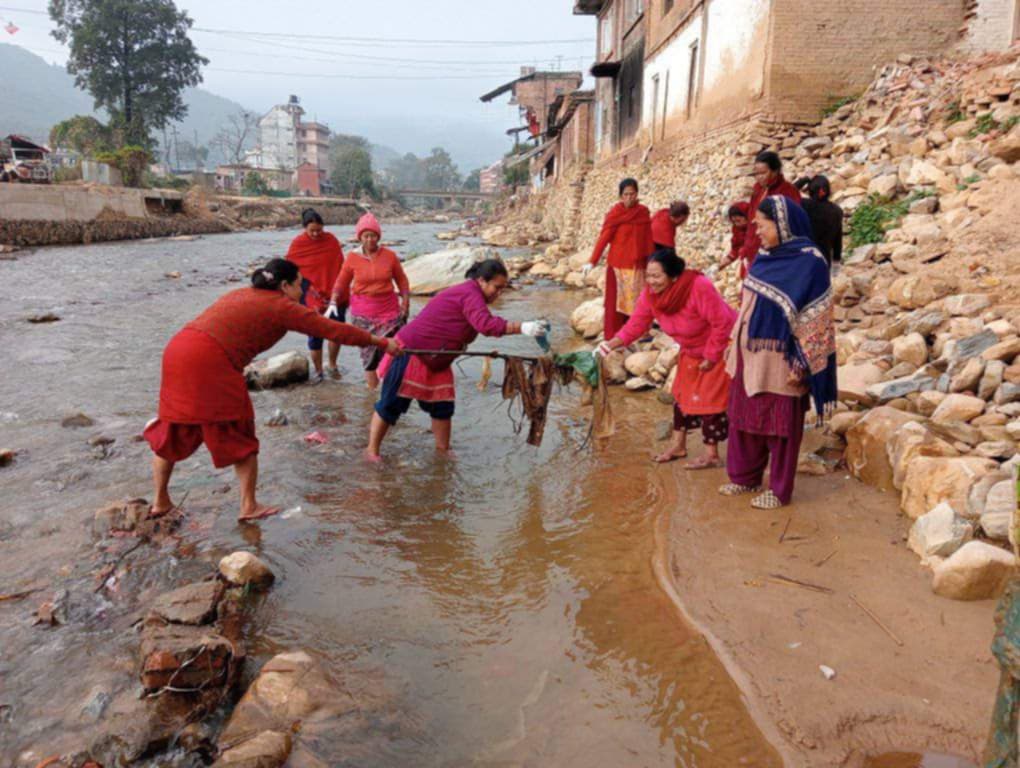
<point x="986" y="123"/>
<point x="954" y="114"/>
<point x="877" y="215"/>
<point x="836" y="103"/>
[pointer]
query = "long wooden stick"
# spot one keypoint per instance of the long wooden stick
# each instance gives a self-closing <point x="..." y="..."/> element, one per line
<point x="778" y="578"/>
<point x="456" y="353"/>
<point x="877" y="620"/>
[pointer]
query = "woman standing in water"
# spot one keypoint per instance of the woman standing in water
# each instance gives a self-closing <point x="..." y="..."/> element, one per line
<point x="203" y="397"/>
<point x="317" y="253"/>
<point x="366" y="283"/>
<point x="627" y="230"/>
<point x="449" y="322"/>
<point x="688" y="307"/>
<point x="783" y="349"/>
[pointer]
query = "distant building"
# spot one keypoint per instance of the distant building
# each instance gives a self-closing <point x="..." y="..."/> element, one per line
<point x="490" y="181"/>
<point x="572" y="132"/>
<point x="285" y="143"/>
<point x="309" y="179"/>
<point x="230" y="177"/>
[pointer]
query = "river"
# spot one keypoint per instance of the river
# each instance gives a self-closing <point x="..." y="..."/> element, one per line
<point x="502" y="603"/>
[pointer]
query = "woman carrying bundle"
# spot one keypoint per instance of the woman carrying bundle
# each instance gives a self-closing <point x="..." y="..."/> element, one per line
<point x="627" y="230"/>
<point x="203" y="397"/>
<point x="366" y="284"/>
<point x="318" y="255"/>
<point x="688" y="307"/>
<point x="783" y="348"/>
<point x="449" y="322"/>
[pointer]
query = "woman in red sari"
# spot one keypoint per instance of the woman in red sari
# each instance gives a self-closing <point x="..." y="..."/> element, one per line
<point x="203" y="397"/>
<point x="739" y="217"/>
<point x="319" y="256"/>
<point x="627" y="230"/>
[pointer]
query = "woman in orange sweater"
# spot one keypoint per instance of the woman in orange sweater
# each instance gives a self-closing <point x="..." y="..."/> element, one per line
<point x="366" y="283"/>
<point x="203" y="397"/>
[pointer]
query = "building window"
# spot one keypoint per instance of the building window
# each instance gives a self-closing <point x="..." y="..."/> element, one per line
<point x="632" y="10"/>
<point x="692" y="79"/>
<point x="605" y="35"/>
<point x="667" y="6"/>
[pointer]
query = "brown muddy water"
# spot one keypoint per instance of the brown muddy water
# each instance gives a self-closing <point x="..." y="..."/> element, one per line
<point x="498" y="608"/>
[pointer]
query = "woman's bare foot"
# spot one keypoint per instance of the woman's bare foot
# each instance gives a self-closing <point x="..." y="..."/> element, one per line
<point x="260" y="511"/>
<point x="372" y="458"/>
<point x="705" y="462"/>
<point x="159" y="511"/>
<point x="673" y="454"/>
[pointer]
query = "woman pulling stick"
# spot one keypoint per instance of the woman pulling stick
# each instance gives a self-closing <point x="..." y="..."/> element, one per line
<point x="203" y="397"/>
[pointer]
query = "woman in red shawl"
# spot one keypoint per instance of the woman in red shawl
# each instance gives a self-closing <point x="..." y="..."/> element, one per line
<point x="319" y="256"/>
<point x="739" y="220"/>
<point x="769" y="181"/>
<point x="627" y="230"/>
<point x="690" y="310"/>
<point x="203" y="397"/>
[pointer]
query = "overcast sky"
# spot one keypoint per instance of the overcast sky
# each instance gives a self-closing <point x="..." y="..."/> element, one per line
<point x="407" y="95"/>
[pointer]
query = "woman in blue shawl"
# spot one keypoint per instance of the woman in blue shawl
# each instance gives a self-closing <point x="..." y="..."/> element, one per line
<point x="782" y="350"/>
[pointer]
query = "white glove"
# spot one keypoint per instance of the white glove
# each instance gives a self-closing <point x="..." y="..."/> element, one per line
<point x="333" y="312"/>
<point x="535" y="328"/>
<point x="603" y="349"/>
<point x="587" y="268"/>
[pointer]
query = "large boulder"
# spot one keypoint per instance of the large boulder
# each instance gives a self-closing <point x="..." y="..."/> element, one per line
<point x="191" y="604"/>
<point x="976" y="571"/>
<point x="587" y="318"/>
<point x="242" y="569"/>
<point x="854" y="381"/>
<point x="267" y="749"/>
<point x="869" y="442"/>
<point x="930" y="480"/>
<point x="640" y="363"/>
<point x="184" y="656"/>
<point x="914" y="439"/>
<point x="911" y="348"/>
<point x="917" y="290"/>
<point x="433" y="272"/>
<point x="1000" y="506"/>
<point x="939" y="533"/>
<point x="277" y="371"/>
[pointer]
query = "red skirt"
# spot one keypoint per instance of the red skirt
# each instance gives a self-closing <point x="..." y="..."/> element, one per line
<point x="698" y="392"/>
<point x="199" y="384"/>
<point x="228" y="442"/>
<point x="421" y="382"/>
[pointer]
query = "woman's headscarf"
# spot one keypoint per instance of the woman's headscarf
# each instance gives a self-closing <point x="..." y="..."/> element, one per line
<point x="794" y="311"/>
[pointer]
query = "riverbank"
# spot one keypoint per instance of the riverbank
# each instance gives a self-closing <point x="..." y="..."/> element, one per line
<point x="934" y="693"/>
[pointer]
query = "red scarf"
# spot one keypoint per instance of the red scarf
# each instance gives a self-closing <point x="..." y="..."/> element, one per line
<point x="674" y="299"/>
<point x="319" y="260"/>
<point x="632" y="241"/>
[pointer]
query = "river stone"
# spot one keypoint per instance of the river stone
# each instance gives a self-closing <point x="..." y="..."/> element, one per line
<point x="186" y="656"/>
<point x="854" y="380"/>
<point x="965" y="375"/>
<point x="869" y="442"/>
<point x="976" y="571"/>
<point x="911" y="348"/>
<point x="1005" y="350"/>
<point x="885" y="391"/>
<point x="120" y="516"/>
<point x="190" y="604"/>
<point x="911" y="440"/>
<point x="432" y="272"/>
<point x="939" y="533"/>
<point x="277" y="371"/>
<point x="957" y="407"/>
<point x="974" y="345"/>
<point x="840" y="422"/>
<point x="243" y="568"/>
<point x="966" y="304"/>
<point x="924" y="321"/>
<point x="640" y="363"/>
<point x="930" y="480"/>
<point x="266" y="749"/>
<point x="290" y="689"/>
<point x="587" y="318"/>
<point x="1000" y="506"/>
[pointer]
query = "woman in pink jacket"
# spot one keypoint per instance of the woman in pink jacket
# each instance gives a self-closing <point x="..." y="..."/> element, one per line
<point x="688" y="307"/>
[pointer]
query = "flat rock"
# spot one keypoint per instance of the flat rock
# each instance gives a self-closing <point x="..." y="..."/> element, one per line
<point x="1005" y="350"/>
<point x="432" y="272"/>
<point x="886" y="391"/>
<point x="184" y="657"/>
<point x="77" y="421"/>
<point x="869" y="442"/>
<point x="958" y="407"/>
<point x="939" y="533"/>
<point x="277" y="371"/>
<point x="854" y="380"/>
<point x="191" y="604"/>
<point x="976" y="571"/>
<point x="266" y="749"/>
<point x="966" y="304"/>
<point x="244" y="568"/>
<point x="965" y="375"/>
<point x="974" y="345"/>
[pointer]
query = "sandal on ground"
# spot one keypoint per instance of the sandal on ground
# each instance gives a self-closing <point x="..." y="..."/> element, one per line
<point x="259" y="514"/>
<point x="703" y="463"/>
<point x="767" y="500"/>
<point x="733" y="489"/>
<point x="667" y="456"/>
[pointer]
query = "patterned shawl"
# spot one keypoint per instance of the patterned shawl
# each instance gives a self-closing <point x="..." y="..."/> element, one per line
<point x="796" y="314"/>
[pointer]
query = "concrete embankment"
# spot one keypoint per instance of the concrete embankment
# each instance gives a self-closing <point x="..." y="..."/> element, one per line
<point x="33" y="215"/>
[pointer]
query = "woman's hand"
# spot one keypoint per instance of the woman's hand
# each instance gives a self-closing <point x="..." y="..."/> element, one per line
<point x="587" y="268"/>
<point x="606" y="348"/>
<point x="393" y="349"/>
<point x="332" y="312"/>
<point x="535" y="328"/>
<point x="706" y="365"/>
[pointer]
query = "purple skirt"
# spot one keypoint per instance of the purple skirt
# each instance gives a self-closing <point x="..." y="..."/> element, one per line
<point x="766" y="413"/>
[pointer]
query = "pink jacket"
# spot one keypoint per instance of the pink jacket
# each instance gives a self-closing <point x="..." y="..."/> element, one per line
<point x="702" y="328"/>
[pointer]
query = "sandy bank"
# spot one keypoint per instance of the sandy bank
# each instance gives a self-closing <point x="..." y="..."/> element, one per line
<point x="933" y="693"/>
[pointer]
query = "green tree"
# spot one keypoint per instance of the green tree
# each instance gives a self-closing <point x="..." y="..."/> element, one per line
<point x="352" y="171"/>
<point x="254" y="184"/>
<point x="84" y="134"/>
<point x="406" y="172"/>
<point x="440" y="171"/>
<point x="473" y="182"/>
<point x="133" y="56"/>
<point x="515" y="172"/>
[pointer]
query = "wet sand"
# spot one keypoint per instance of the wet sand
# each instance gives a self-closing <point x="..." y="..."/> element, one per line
<point x="933" y="694"/>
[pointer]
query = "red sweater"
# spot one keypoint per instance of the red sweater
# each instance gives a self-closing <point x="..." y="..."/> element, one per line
<point x="248" y="321"/>
<point x="752" y="243"/>
<point x="663" y="229"/>
<point x="628" y="233"/>
<point x="363" y="276"/>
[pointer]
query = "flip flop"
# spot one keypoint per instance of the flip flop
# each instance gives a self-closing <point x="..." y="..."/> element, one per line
<point x="697" y="464"/>
<point x="670" y="457"/>
<point x="260" y="514"/>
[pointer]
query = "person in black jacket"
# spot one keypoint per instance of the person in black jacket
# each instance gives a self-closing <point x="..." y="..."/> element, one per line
<point x="826" y="217"/>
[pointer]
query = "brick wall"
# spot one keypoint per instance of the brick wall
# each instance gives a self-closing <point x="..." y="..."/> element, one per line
<point x="824" y="50"/>
<point x="991" y="24"/>
<point x="542" y="91"/>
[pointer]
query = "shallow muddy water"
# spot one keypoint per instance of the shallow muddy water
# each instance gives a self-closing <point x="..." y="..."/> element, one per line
<point x="501" y="603"/>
